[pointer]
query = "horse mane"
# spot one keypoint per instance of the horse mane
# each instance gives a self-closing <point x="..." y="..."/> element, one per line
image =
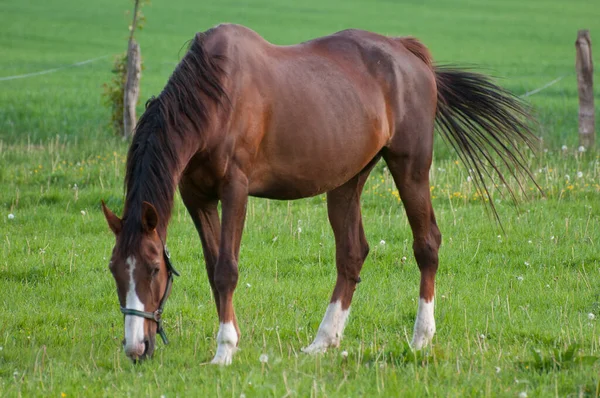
<point x="177" y="117"/>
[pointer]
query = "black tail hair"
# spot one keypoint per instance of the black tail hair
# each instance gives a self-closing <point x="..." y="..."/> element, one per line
<point x="483" y="122"/>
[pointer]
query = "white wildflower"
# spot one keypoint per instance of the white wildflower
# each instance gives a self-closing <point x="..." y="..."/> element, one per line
<point x="523" y="394"/>
<point x="299" y="229"/>
<point x="469" y="179"/>
<point x="530" y="242"/>
<point x="83" y="212"/>
<point x="579" y="174"/>
<point x="564" y="148"/>
<point x="581" y="149"/>
<point x="264" y="358"/>
<point x="482" y="336"/>
<point x="403" y="259"/>
<point x="344" y="354"/>
<point x="11" y="216"/>
<point x="591" y="316"/>
<point x="382" y="242"/>
<point x="552" y="237"/>
<point x="498" y="369"/>
<point x="520" y="278"/>
<point x="248" y="285"/>
<point x="527" y="264"/>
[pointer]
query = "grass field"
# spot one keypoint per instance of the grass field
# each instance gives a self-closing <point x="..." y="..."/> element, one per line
<point x="517" y="309"/>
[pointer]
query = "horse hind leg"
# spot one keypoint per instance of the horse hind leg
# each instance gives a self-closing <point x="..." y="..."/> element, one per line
<point x="343" y="207"/>
<point x="411" y="176"/>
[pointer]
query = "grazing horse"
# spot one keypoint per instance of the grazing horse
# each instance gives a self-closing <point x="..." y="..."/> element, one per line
<point x="242" y="117"/>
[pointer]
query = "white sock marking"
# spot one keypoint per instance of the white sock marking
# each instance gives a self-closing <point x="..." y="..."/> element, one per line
<point x="331" y="329"/>
<point x="424" y="325"/>
<point x="134" y="325"/>
<point x="227" y="339"/>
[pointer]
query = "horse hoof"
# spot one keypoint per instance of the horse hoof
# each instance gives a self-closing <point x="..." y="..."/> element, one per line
<point x="222" y="360"/>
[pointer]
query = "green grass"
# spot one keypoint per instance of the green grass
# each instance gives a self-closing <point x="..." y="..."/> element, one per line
<point x="511" y="303"/>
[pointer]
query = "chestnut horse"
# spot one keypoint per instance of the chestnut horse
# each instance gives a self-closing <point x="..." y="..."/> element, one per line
<point x="241" y="117"/>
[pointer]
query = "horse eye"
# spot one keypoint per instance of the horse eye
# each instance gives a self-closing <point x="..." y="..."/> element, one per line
<point x="155" y="271"/>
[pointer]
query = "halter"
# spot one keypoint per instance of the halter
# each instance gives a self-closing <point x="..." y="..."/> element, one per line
<point x="156" y="316"/>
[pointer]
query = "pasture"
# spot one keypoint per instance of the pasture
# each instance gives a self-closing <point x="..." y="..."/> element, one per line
<point x="517" y="308"/>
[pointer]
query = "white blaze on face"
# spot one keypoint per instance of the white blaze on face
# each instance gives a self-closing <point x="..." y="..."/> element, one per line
<point x="331" y="329"/>
<point x="424" y="325"/>
<point x="227" y="339"/>
<point x="134" y="325"/>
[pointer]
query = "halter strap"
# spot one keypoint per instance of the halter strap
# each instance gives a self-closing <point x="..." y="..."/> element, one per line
<point x="156" y="316"/>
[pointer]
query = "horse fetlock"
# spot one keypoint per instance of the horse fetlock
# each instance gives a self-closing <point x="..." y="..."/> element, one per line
<point x="227" y="340"/>
<point x="424" y="325"/>
<point x="331" y="329"/>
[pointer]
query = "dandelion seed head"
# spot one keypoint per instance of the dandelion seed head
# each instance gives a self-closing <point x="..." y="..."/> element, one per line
<point x="523" y="394"/>
<point x="581" y="149"/>
<point x="264" y="358"/>
<point x="520" y="278"/>
<point x="498" y="369"/>
<point x="344" y="354"/>
<point x="83" y="212"/>
<point x="11" y="216"/>
<point x="591" y="316"/>
<point x="382" y="242"/>
<point x="564" y="148"/>
<point x="403" y="259"/>
<point x="579" y="174"/>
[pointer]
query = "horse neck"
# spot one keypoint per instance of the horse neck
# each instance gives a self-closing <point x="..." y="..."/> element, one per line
<point x="159" y="188"/>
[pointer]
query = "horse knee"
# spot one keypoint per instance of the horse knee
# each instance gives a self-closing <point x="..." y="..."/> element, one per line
<point x="226" y="276"/>
<point x="426" y="254"/>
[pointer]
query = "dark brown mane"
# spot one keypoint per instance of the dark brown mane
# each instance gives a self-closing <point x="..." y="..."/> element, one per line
<point x="176" y="117"/>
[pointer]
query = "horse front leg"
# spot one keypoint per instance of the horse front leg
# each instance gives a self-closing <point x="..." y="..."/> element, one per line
<point x="234" y="197"/>
<point x="343" y="209"/>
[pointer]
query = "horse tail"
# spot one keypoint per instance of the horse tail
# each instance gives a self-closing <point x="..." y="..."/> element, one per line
<point x="486" y="125"/>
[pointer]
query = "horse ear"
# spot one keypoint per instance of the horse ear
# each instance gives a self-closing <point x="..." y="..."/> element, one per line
<point x="149" y="217"/>
<point x="114" y="222"/>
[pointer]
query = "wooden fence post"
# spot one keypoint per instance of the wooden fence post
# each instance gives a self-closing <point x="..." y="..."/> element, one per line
<point x="131" y="91"/>
<point x="585" y="69"/>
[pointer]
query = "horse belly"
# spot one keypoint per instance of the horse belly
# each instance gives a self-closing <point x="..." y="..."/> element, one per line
<point x="314" y="164"/>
